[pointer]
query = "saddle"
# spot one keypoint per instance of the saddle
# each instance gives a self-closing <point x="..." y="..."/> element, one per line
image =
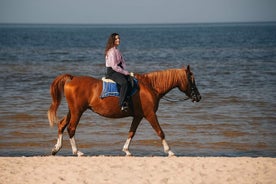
<point x="111" y="88"/>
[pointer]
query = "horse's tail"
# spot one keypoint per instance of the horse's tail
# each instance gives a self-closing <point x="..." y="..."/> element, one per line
<point x="56" y="91"/>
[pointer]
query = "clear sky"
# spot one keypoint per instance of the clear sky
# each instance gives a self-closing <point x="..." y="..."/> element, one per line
<point x="136" y="11"/>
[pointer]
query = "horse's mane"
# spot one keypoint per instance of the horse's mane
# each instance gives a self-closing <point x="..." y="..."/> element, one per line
<point x="162" y="80"/>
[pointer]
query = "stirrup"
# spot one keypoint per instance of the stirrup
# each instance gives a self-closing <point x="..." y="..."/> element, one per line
<point x="124" y="107"/>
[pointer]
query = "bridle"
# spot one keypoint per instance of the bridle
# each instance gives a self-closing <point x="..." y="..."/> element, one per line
<point x="192" y="89"/>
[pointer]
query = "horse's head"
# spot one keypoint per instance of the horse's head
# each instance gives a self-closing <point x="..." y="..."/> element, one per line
<point x="189" y="86"/>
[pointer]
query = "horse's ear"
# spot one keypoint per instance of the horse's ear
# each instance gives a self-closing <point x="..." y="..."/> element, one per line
<point x="188" y="68"/>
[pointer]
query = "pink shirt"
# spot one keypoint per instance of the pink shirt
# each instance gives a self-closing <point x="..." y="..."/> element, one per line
<point x="113" y="58"/>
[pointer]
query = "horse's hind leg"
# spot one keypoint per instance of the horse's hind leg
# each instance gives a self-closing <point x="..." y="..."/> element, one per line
<point x="155" y="125"/>
<point x="71" y="131"/>
<point x="75" y="148"/>
<point x="61" y="126"/>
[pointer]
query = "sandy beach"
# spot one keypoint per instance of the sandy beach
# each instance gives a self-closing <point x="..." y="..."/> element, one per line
<point x="140" y="170"/>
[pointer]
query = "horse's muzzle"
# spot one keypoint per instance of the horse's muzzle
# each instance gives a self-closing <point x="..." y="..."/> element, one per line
<point x="195" y="95"/>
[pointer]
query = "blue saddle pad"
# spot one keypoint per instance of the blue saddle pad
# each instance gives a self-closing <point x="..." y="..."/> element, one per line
<point x="111" y="89"/>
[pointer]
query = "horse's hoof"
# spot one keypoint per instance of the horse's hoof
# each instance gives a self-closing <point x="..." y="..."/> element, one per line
<point x="80" y="154"/>
<point x="54" y="151"/>
<point x="171" y="154"/>
<point x="128" y="154"/>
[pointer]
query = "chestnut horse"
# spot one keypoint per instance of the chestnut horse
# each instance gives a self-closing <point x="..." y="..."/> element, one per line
<point x="83" y="92"/>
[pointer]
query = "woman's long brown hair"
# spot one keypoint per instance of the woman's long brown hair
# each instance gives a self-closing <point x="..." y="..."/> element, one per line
<point x="110" y="42"/>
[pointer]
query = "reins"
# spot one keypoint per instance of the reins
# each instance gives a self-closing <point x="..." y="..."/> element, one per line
<point x="177" y="100"/>
<point x="174" y="100"/>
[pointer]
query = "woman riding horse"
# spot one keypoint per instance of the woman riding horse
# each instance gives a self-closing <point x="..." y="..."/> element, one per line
<point x="116" y="68"/>
<point x="83" y="92"/>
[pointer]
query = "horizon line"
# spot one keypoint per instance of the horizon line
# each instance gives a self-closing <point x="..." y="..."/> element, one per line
<point x="153" y="23"/>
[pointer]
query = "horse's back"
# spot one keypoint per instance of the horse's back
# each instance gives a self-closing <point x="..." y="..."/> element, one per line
<point x="83" y="81"/>
<point x="83" y="87"/>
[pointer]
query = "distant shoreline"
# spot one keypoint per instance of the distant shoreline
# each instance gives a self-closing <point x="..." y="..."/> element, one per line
<point x="138" y="24"/>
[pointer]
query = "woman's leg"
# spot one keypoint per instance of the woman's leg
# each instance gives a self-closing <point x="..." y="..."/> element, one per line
<point x="122" y="81"/>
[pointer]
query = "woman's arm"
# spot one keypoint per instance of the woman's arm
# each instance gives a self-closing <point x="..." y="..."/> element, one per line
<point x="113" y="60"/>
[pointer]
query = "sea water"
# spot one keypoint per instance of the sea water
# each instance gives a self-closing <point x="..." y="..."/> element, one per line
<point x="234" y="67"/>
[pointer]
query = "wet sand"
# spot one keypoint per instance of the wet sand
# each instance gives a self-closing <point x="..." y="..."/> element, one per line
<point x="161" y="170"/>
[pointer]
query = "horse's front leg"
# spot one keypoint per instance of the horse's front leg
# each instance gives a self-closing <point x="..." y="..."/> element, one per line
<point x="135" y="122"/>
<point x="126" y="147"/>
<point x="155" y="125"/>
<point x="167" y="148"/>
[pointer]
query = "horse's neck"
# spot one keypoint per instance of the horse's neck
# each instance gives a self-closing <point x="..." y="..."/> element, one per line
<point x="163" y="81"/>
